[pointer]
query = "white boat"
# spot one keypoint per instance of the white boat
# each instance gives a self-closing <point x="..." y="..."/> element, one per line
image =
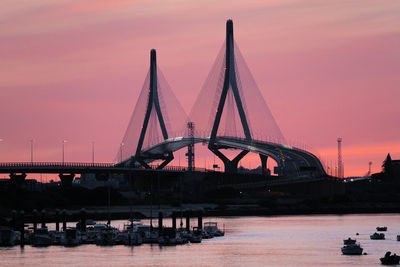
<point x="71" y="237"/>
<point x="352" y="249"/>
<point x="8" y="237"/>
<point x="41" y="237"/>
<point x="211" y="228"/>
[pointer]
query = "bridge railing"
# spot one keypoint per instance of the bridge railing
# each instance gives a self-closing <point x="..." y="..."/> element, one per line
<point x="84" y="164"/>
<point x="55" y="164"/>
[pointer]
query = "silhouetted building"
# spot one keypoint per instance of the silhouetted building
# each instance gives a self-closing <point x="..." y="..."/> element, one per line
<point x="390" y="169"/>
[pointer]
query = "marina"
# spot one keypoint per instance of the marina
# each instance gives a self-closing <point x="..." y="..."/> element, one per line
<point x="133" y="232"/>
<point x="248" y="241"/>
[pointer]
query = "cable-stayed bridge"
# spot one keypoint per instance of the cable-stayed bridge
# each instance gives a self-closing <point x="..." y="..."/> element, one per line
<point x="230" y="113"/>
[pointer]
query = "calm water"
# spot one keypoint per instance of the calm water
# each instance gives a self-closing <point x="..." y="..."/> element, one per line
<point x="249" y="241"/>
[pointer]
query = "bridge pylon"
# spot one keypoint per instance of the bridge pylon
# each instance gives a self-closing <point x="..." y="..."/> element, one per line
<point x="153" y="101"/>
<point x="230" y="83"/>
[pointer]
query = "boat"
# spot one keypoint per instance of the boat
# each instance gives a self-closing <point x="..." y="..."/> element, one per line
<point x="352" y="249"/>
<point x="197" y="235"/>
<point x="349" y="241"/>
<point x="398" y="237"/>
<point x="170" y="237"/>
<point x="381" y="228"/>
<point x="71" y="237"/>
<point x="211" y="228"/>
<point x="56" y="237"/>
<point x="8" y="237"/>
<point x="130" y="235"/>
<point x="106" y="236"/>
<point x="390" y="259"/>
<point x="149" y="236"/>
<point x="92" y="232"/>
<point x="41" y="237"/>
<point x="377" y="236"/>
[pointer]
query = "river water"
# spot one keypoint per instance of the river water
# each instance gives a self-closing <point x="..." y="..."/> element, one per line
<point x="249" y="241"/>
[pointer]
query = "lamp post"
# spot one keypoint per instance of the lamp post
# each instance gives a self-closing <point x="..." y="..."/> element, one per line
<point x="120" y="151"/>
<point x="93" y="152"/>
<point x="31" y="141"/>
<point x="63" y="148"/>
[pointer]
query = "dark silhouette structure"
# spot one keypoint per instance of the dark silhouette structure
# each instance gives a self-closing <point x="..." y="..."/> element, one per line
<point x="230" y="83"/>
<point x="153" y="100"/>
<point x="152" y="136"/>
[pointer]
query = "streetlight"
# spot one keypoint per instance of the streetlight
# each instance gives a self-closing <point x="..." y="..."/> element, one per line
<point x="31" y="150"/>
<point x="63" y="144"/>
<point x="93" y="152"/>
<point x="120" y="151"/>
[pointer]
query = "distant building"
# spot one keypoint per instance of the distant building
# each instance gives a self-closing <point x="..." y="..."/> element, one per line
<point x="390" y="169"/>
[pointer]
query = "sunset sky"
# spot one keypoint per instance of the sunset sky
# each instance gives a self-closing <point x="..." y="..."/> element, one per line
<point x="73" y="70"/>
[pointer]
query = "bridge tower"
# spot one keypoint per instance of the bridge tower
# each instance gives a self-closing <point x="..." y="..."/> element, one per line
<point x="153" y="100"/>
<point x="230" y="83"/>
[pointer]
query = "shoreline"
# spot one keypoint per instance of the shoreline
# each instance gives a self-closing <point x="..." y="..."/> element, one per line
<point x="211" y="210"/>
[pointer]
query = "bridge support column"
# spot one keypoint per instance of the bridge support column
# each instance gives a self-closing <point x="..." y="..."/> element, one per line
<point x="264" y="159"/>
<point x="231" y="166"/>
<point x="66" y="179"/>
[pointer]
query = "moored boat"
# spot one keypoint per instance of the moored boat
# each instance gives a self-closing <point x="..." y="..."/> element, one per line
<point x="352" y="249"/>
<point x="211" y="228"/>
<point x="107" y="236"/>
<point x="41" y="237"/>
<point x="170" y="237"/>
<point x="349" y="241"/>
<point x="8" y="237"/>
<point x="71" y="237"/>
<point x="389" y="259"/>
<point x="381" y="228"/>
<point x="197" y="235"/>
<point x="377" y="236"/>
<point x="130" y="235"/>
<point x="56" y="237"/>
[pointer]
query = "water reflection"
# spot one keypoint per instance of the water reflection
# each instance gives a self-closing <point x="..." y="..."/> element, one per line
<point x="249" y="241"/>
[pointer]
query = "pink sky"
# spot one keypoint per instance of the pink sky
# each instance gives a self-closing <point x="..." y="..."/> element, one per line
<point x="73" y="70"/>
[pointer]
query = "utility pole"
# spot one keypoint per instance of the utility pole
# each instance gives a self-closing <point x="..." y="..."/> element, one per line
<point x="93" y="152"/>
<point x="63" y="149"/>
<point x="31" y="150"/>
<point x="190" y="153"/>
<point x="340" y="160"/>
<point x="120" y="150"/>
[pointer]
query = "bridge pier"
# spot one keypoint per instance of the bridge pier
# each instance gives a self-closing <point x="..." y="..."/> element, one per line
<point x="231" y="166"/>
<point x="264" y="159"/>
<point x="66" y="179"/>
